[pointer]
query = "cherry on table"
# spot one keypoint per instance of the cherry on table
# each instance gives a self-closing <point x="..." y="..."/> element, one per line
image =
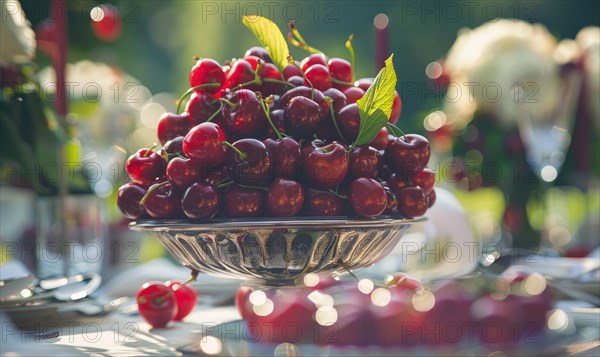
<point x="240" y="202"/>
<point x="412" y="201"/>
<point x="285" y="198"/>
<point x="367" y="197"/>
<point x="302" y="117"/>
<point x="204" y="143"/>
<point x="286" y="157"/>
<point x="145" y="166"/>
<point x="156" y="304"/>
<point x="246" y="117"/>
<point x="200" y="107"/>
<point x="185" y="296"/>
<point x="128" y="200"/>
<point x="325" y="166"/>
<point x="364" y="161"/>
<point x="207" y="71"/>
<point x="253" y="166"/>
<point x="408" y="155"/>
<point x="201" y="200"/>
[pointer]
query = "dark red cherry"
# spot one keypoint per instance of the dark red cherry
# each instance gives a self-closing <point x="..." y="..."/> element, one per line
<point x="243" y="202"/>
<point x="396" y="108"/>
<point x="171" y="125"/>
<point x="278" y="119"/>
<point x="364" y="83"/>
<point x="392" y="202"/>
<point x="397" y="182"/>
<point x="408" y="155"/>
<point x="367" y="197"/>
<point x="353" y="94"/>
<point x="206" y="71"/>
<point x="364" y="161"/>
<point x="338" y="99"/>
<point x="128" y="200"/>
<point x="425" y="179"/>
<point x="253" y="167"/>
<point x="312" y="94"/>
<point x="348" y="121"/>
<point x="290" y="71"/>
<point x="204" y="144"/>
<point x="259" y="52"/>
<point x="327" y="129"/>
<point x="381" y="140"/>
<point x="315" y="58"/>
<point x="201" y="107"/>
<point x="201" y="200"/>
<point x="174" y="146"/>
<point x="318" y="75"/>
<point x="182" y="172"/>
<point x="298" y="81"/>
<point x="246" y="117"/>
<point x="241" y="72"/>
<point x="412" y="201"/>
<point x="326" y="166"/>
<point x="269" y="71"/>
<point x="286" y="157"/>
<point x="323" y="203"/>
<point x="145" y="166"/>
<point x="431" y="198"/>
<point x="285" y="198"/>
<point x="302" y="117"/>
<point x="163" y="202"/>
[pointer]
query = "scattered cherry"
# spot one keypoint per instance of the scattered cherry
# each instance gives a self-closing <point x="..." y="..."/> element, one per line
<point x="156" y="304"/>
<point x="186" y="298"/>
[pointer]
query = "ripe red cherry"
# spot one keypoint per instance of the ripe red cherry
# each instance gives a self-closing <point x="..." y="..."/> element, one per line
<point x="353" y="94"/>
<point x="286" y="157"/>
<point x="285" y="198"/>
<point x="364" y="161"/>
<point x="327" y="129"/>
<point x="364" y="83"/>
<point x="318" y="75"/>
<point x="145" y="166"/>
<point x="201" y="107"/>
<point x="315" y="58"/>
<point x="302" y="117"/>
<point x="207" y="71"/>
<point x="106" y="22"/>
<point x="408" y="155"/>
<point x="163" y="202"/>
<point x="392" y="199"/>
<point x="269" y="71"/>
<point x="396" y="108"/>
<point x="312" y="94"/>
<point x="381" y="139"/>
<point x="340" y="69"/>
<point x="412" y="201"/>
<point x="174" y="146"/>
<point x="348" y="121"/>
<point x="185" y="296"/>
<point x="201" y="200"/>
<point x="204" y="144"/>
<point x="296" y="80"/>
<point x="396" y="183"/>
<point x="323" y="203"/>
<point x="290" y="71"/>
<point x="171" y="125"/>
<point x="247" y="118"/>
<point x="425" y="179"/>
<point x="241" y="72"/>
<point x="259" y="52"/>
<point x="253" y="167"/>
<point x="367" y="197"/>
<point x="278" y="119"/>
<point x="243" y="202"/>
<point x="182" y="172"/>
<point x="156" y="304"/>
<point x="431" y="197"/>
<point x="128" y="200"/>
<point x="338" y="99"/>
<point x="326" y="166"/>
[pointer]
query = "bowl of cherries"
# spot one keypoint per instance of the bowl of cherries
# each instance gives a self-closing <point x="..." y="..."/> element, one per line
<point x="278" y="168"/>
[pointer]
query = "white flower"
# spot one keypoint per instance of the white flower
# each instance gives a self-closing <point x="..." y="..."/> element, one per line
<point x="17" y="39"/>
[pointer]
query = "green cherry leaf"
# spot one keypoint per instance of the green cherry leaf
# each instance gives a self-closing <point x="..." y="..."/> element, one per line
<point x="375" y="107"/>
<point x="270" y="37"/>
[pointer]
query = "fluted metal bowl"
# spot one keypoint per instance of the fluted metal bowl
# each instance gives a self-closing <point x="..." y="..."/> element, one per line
<point x="277" y="251"/>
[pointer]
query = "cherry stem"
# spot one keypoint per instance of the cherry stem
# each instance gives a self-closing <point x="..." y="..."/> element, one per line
<point x="296" y="39"/>
<point x="147" y="153"/>
<point x="394" y="130"/>
<point x="214" y="115"/>
<point x="348" y="270"/>
<point x="241" y="154"/>
<point x="224" y="182"/>
<point x="337" y="81"/>
<point x="293" y="63"/>
<point x="337" y="128"/>
<point x="192" y="277"/>
<point x="352" y="54"/>
<point x="191" y="90"/>
<point x="253" y="187"/>
<point x="230" y="104"/>
<point x="338" y="195"/>
<point x="256" y="79"/>
<point x="270" y="80"/>
<point x="152" y="189"/>
<point x="268" y="114"/>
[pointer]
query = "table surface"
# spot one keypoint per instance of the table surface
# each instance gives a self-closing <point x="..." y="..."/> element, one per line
<point x="126" y="335"/>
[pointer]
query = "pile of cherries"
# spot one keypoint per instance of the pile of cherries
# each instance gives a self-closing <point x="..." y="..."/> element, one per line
<point x="255" y="141"/>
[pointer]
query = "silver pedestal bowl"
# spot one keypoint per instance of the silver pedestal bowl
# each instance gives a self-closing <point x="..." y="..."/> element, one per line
<point x="277" y="251"/>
